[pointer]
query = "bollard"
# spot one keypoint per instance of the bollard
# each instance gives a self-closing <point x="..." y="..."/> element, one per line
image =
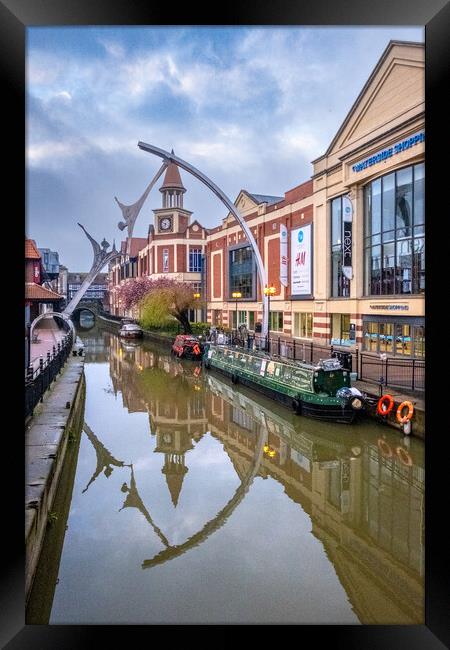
<point x="48" y="357"/>
<point x="30" y="373"/>
<point x="41" y="363"/>
<point x="54" y="351"/>
<point x="59" y="347"/>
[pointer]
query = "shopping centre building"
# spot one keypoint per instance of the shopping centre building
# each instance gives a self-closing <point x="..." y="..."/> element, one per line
<point x="345" y="249"/>
<point x="355" y="231"/>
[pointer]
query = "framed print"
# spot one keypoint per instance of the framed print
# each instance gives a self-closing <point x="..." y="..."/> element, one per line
<point x="191" y="485"/>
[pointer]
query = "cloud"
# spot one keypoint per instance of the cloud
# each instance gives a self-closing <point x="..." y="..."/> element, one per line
<point x="251" y="107"/>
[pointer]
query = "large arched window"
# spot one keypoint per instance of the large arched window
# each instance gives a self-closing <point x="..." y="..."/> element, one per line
<point x="394" y="233"/>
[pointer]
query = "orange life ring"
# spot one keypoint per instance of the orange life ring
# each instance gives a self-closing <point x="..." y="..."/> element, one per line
<point x="390" y="406"/>
<point x="384" y="448"/>
<point x="196" y="349"/>
<point x="402" y="419"/>
<point x="404" y="457"/>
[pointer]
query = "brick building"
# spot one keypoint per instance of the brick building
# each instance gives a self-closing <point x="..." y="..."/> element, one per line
<point x="174" y="247"/>
<point x="355" y="231"/>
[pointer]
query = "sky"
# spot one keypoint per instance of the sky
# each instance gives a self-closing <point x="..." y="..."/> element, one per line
<point x="250" y="107"/>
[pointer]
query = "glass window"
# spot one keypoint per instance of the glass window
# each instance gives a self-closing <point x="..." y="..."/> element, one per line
<point x="276" y="321"/>
<point x="388" y="203"/>
<point x="419" y="194"/>
<point x="403" y="202"/>
<point x="165" y="256"/>
<point x="376" y="207"/>
<point x="394" y="203"/>
<point x="195" y="260"/>
<point x="340" y="329"/>
<point x="418" y="267"/>
<point x="419" y="341"/>
<point x="242" y="317"/>
<point x="403" y="271"/>
<point x="303" y="325"/>
<point x="241" y="272"/>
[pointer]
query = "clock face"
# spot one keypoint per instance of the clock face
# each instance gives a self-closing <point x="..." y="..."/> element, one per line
<point x="165" y="224"/>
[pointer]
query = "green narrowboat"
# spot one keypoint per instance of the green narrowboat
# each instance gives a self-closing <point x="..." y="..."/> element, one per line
<point x="320" y="391"/>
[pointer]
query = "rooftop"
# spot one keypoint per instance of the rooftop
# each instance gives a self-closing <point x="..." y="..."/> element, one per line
<point x="35" y="291"/>
<point x="31" y="251"/>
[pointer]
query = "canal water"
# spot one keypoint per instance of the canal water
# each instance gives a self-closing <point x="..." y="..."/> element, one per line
<point x="196" y="501"/>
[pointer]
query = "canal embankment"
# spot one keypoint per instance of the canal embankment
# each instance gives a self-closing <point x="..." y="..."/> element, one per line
<point x="371" y="390"/>
<point x="55" y="422"/>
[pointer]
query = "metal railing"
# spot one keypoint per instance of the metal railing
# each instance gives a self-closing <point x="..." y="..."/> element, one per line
<point x="392" y="371"/>
<point x="39" y="379"/>
<point x="305" y="351"/>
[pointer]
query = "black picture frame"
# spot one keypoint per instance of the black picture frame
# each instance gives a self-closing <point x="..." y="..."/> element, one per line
<point x="15" y="17"/>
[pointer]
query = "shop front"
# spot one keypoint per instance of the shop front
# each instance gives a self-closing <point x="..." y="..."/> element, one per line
<point x="399" y="336"/>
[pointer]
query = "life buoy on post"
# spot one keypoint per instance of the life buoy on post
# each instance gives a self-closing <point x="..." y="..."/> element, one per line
<point x="196" y="349"/>
<point x="381" y="409"/>
<point x="384" y="448"/>
<point x="405" y="418"/>
<point x="404" y="457"/>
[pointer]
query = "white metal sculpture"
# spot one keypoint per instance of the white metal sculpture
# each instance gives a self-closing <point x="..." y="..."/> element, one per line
<point x="131" y="212"/>
<point x="101" y="258"/>
<point x="170" y="157"/>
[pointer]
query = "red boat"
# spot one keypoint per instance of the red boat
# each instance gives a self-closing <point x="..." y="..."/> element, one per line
<point x="187" y="346"/>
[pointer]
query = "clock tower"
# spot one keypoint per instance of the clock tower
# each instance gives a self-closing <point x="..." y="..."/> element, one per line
<point x="172" y="218"/>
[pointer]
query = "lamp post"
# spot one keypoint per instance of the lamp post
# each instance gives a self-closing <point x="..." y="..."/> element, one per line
<point x="236" y="295"/>
<point x="196" y="297"/>
<point x="268" y="291"/>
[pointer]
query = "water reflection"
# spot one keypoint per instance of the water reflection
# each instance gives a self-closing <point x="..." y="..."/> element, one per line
<point x="361" y="486"/>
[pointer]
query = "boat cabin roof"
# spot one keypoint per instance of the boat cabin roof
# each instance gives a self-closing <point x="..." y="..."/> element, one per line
<point x="326" y="365"/>
<point x="130" y="326"/>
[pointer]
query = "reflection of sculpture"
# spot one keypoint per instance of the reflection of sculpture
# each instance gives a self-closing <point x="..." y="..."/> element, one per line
<point x="101" y="258"/>
<point x="405" y="211"/>
<point x="130" y="212"/>
<point x="221" y="517"/>
<point x="104" y="457"/>
<point x="133" y="500"/>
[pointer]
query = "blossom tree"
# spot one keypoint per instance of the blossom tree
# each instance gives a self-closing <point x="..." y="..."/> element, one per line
<point x="159" y="300"/>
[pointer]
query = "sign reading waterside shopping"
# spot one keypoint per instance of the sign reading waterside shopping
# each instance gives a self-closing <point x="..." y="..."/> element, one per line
<point x="301" y="261"/>
<point x="391" y="151"/>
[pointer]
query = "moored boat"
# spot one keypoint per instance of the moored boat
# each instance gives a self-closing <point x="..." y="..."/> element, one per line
<point x="131" y="331"/>
<point x="187" y="346"/>
<point x="320" y="391"/>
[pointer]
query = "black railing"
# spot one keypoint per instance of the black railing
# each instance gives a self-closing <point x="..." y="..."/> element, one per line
<point x="392" y="371"/>
<point x="38" y="380"/>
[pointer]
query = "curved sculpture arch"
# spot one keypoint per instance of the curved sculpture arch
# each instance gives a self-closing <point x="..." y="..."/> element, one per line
<point x="170" y="157"/>
<point x="59" y="314"/>
<point x="221" y="517"/>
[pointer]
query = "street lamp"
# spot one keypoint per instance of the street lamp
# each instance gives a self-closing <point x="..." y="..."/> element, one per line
<point x="268" y="291"/>
<point x="236" y="295"/>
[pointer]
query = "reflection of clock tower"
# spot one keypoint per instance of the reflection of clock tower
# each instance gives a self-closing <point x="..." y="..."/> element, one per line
<point x="172" y="218"/>
<point x="174" y="445"/>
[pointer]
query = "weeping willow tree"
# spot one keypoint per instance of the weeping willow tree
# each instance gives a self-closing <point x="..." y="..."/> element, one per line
<point x="159" y="301"/>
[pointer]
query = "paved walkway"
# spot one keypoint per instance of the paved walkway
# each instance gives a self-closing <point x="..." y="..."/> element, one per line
<point x="49" y="334"/>
<point x="373" y="389"/>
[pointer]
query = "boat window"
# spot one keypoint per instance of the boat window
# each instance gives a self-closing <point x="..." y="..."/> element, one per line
<point x="256" y="364"/>
<point x="270" y="368"/>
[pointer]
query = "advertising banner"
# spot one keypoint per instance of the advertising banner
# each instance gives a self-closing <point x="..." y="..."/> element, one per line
<point x="347" y="237"/>
<point x="283" y="255"/>
<point x="301" y="261"/>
